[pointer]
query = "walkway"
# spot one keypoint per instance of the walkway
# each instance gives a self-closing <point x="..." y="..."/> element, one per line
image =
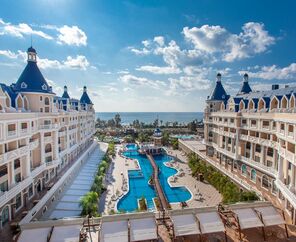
<point x="68" y="204"/>
<point x="162" y="198"/>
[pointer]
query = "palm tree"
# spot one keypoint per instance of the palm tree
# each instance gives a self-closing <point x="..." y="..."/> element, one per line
<point x="89" y="204"/>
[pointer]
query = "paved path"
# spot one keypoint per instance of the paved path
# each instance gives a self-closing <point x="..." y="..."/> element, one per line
<point x="209" y="195"/>
<point x="68" y="203"/>
<point x="162" y="198"/>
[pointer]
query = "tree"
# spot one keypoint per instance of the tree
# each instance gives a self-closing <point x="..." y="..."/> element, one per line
<point x="117" y="120"/>
<point x="155" y="123"/>
<point x="89" y="204"/>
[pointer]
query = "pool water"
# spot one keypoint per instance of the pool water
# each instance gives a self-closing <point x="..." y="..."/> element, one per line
<point x="185" y="137"/>
<point x="131" y="146"/>
<point x="139" y="187"/>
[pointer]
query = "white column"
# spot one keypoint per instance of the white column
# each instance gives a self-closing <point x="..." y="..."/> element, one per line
<point x="42" y="152"/>
<point x="12" y="174"/>
<point x="263" y="151"/>
<point x="292" y="185"/>
<point x="280" y="169"/>
<point x="56" y="144"/>
<point x="27" y="165"/>
<point x="251" y="151"/>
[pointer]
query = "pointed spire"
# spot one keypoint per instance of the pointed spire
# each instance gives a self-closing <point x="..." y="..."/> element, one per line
<point x="219" y="92"/>
<point x="65" y="94"/>
<point x="84" y="89"/>
<point x="245" y="86"/>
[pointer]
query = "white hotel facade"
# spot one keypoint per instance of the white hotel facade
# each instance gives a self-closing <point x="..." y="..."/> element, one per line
<point x="41" y="134"/>
<point x="252" y="136"/>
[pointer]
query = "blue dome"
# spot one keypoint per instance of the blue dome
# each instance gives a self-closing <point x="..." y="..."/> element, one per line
<point x="31" y="49"/>
<point x="32" y="80"/>
<point x="85" y="98"/>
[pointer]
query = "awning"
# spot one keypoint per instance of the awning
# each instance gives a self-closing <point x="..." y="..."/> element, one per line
<point x="210" y="222"/>
<point x="68" y="233"/>
<point x="33" y="234"/>
<point x="185" y="224"/>
<point x="248" y="218"/>
<point x="116" y="231"/>
<point x="270" y="216"/>
<point x="143" y="229"/>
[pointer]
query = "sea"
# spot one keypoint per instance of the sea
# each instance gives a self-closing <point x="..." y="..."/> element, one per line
<point x="149" y="117"/>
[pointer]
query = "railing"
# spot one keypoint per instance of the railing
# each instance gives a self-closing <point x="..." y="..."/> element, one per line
<point x="286" y="192"/>
<point x="37" y="170"/>
<point x="6" y="157"/>
<point x="52" y="164"/>
<point x="13" y="191"/>
<point x="48" y="126"/>
<point x="265" y="169"/>
<point x="11" y="133"/>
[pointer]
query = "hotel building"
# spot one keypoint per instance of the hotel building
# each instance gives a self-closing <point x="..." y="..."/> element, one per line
<point x="252" y="137"/>
<point x="41" y="134"/>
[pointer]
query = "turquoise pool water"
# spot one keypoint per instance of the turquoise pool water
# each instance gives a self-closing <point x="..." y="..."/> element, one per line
<point x="183" y="136"/>
<point x="139" y="187"/>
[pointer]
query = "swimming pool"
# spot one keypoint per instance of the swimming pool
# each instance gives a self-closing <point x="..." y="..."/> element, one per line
<point x="183" y="136"/>
<point x="139" y="187"/>
<point x="131" y="146"/>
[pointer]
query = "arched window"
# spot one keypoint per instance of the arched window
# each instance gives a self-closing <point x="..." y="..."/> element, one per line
<point x="253" y="175"/>
<point x="8" y="100"/>
<point x="241" y="105"/>
<point x="284" y="103"/>
<point x="265" y="182"/>
<point x="26" y="103"/>
<point x="19" y="102"/>
<point x="244" y="170"/>
<point x="5" y="216"/>
<point x="48" y="148"/>
<point x="261" y="104"/>
<point x="274" y="103"/>
<point x="292" y="102"/>
<point x="251" y="105"/>
<point x="1" y="108"/>
<point x="46" y="101"/>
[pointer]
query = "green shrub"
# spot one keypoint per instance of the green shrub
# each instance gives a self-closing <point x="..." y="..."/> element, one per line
<point x="229" y="191"/>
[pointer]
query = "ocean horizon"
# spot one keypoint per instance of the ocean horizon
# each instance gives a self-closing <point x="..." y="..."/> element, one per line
<point x="149" y="117"/>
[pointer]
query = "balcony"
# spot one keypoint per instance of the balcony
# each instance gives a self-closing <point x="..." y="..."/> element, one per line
<point x="48" y="126"/>
<point x="52" y="164"/>
<point x="48" y="139"/>
<point x="5" y="197"/>
<point x="34" y="144"/>
<point x="286" y="192"/>
<point x="265" y="169"/>
<point x="37" y="170"/>
<point x="287" y="155"/>
<point x="13" y="154"/>
<point x="62" y="133"/>
<point x="11" y="133"/>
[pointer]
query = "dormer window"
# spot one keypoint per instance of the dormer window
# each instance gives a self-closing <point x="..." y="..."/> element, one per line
<point x="24" y="85"/>
<point x="44" y="87"/>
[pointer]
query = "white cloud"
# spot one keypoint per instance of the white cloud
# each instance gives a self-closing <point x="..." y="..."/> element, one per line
<point x="274" y="72"/>
<point x="252" y="40"/>
<point x="159" y="40"/>
<point x="78" y="62"/>
<point x="186" y="84"/>
<point x="141" y="81"/>
<point x="19" y="30"/>
<point x="71" y="36"/>
<point x="159" y="69"/>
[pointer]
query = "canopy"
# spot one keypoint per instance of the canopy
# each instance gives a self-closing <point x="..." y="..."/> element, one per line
<point x="248" y="218"/>
<point x="185" y="224"/>
<point x="143" y="229"/>
<point x="114" y="231"/>
<point x="210" y="222"/>
<point x="68" y="233"/>
<point x="270" y="216"/>
<point x="32" y="234"/>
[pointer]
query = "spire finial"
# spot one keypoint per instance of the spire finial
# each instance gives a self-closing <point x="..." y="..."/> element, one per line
<point x="219" y="77"/>
<point x="246" y="77"/>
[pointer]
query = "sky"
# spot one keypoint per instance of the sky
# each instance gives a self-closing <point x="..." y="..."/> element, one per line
<point x="150" y="56"/>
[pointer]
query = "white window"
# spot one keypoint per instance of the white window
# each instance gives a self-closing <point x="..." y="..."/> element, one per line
<point x="24" y="85"/>
<point x="44" y="87"/>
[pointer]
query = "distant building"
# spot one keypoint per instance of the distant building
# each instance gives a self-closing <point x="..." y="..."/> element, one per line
<point x="253" y="136"/>
<point x="40" y="133"/>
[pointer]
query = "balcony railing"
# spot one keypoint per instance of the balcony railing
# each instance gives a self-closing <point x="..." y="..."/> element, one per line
<point x="11" y="133"/>
<point x="48" y="126"/>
